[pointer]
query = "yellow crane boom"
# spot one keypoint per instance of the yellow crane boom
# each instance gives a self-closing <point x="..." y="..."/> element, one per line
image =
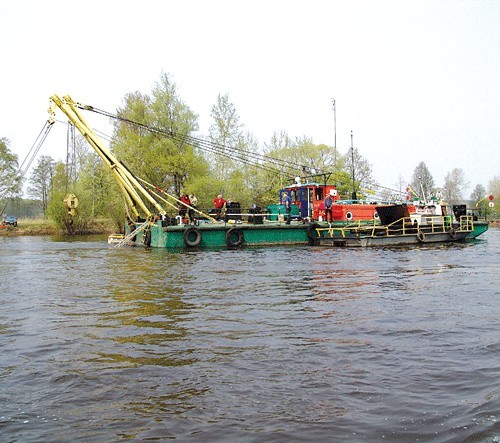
<point x="134" y="192"/>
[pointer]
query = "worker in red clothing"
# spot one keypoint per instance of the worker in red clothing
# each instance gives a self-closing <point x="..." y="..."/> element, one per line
<point x="183" y="208"/>
<point x="219" y="204"/>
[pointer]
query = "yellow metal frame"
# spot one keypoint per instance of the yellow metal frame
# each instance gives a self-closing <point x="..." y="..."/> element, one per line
<point x="136" y="194"/>
<point x="399" y="227"/>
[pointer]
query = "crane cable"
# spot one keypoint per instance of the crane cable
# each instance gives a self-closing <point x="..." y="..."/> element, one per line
<point x="28" y="160"/>
<point x="247" y="157"/>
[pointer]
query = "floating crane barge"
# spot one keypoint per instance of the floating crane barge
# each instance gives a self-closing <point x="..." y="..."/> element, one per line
<point x="357" y="225"/>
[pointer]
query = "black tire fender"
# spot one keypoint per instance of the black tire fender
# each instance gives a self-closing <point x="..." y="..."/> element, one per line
<point x="421" y="236"/>
<point x="192" y="237"/>
<point x="147" y="238"/>
<point x="311" y="232"/>
<point x="231" y="233"/>
<point x="452" y="233"/>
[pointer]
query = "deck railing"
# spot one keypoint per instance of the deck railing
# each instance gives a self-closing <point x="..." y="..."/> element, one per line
<point x="404" y="226"/>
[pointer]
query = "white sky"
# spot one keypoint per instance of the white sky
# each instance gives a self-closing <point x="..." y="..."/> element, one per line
<point x="415" y="80"/>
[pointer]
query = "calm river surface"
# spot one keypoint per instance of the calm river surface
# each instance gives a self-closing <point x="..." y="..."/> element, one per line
<point x="276" y="344"/>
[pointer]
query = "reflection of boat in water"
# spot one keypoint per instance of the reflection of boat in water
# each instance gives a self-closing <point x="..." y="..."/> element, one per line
<point x="398" y="228"/>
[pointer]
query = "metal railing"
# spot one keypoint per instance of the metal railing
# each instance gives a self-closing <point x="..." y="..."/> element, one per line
<point x="403" y="226"/>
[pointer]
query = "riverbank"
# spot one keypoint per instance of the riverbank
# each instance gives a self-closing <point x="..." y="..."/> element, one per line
<point x="95" y="227"/>
<point x="26" y="226"/>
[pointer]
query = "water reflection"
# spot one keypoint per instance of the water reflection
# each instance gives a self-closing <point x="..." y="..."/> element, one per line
<point x="265" y="344"/>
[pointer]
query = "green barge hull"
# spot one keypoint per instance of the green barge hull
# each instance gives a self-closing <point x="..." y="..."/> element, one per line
<point x="219" y="235"/>
<point x="480" y="227"/>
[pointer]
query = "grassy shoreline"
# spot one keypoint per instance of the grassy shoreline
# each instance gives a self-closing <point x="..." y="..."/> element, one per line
<point x="28" y="226"/>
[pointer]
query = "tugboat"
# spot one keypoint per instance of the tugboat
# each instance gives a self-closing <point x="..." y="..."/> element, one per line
<point x="309" y="199"/>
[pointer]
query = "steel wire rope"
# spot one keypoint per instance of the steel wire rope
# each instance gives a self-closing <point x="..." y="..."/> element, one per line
<point x="247" y="157"/>
<point x="32" y="153"/>
<point x="241" y="155"/>
<point x="30" y="156"/>
<point x="376" y="187"/>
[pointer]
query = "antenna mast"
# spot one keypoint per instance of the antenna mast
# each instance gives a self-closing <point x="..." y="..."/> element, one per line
<point x="354" y="196"/>
<point x="335" y="141"/>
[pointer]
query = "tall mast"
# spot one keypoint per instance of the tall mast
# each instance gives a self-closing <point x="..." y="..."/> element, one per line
<point x="334" y="142"/>
<point x="352" y="168"/>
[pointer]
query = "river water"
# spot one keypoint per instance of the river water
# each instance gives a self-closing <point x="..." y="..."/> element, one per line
<point x="99" y="343"/>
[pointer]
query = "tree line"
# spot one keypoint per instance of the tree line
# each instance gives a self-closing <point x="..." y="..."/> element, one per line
<point x="234" y="165"/>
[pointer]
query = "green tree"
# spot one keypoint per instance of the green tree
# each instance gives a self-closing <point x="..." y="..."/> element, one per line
<point x="236" y="162"/>
<point x="225" y="133"/>
<point x="479" y="200"/>
<point x="478" y="193"/>
<point x="360" y="172"/>
<point x="454" y="185"/>
<point x="274" y="171"/>
<point x="41" y="181"/>
<point x="494" y="187"/>
<point x="422" y="182"/>
<point x="167" y="162"/>
<point x="314" y="160"/>
<point x="494" y="190"/>
<point x="55" y="207"/>
<point x="300" y="158"/>
<point x="10" y="179"/>
<point x="94" y="176"/>
<point x="242" y="184"/>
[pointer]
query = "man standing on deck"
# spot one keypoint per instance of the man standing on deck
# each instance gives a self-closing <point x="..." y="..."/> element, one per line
<point x="194" y="204"/>
<point x="287" y="201"/>
<point x="328" y="207"/>
<point x="219" y="204"/>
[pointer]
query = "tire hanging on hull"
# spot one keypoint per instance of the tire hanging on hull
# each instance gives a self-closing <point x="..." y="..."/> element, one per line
<point x="230" y="237"/>
<point x="192" y="237"/>
<point x="420" y="236"/>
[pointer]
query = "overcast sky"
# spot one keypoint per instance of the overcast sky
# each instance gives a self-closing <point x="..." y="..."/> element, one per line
<point x="414" y="80"/>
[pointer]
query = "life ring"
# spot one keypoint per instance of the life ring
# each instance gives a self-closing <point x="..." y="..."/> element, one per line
<point x="348" y="216"/>
<point x="452" y="233"/>
<point x="375" y="215"/>
<point x="421" y="236"/>
<point x="311" y="231"/>
<point x="192" y="237"/>
<point x="231" y="233"/>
